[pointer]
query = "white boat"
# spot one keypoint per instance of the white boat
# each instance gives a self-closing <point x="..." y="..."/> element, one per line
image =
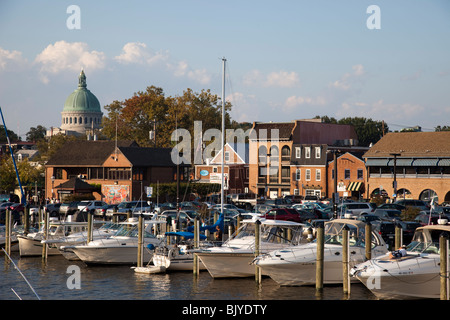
<point x="31" y="244"/>
<point x="14" y="240"/>
<point x="296" y="265"/>
<point x="414" y="276"/>
<point x="233" y="258"/>
<point x="177" y="255"/>
<point x="121" y="248"/>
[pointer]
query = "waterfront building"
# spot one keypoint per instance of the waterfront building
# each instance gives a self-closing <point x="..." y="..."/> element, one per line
<point x="422" y="166"/>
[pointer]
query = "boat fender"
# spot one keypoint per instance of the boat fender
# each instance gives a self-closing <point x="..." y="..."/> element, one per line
<point x="150" y="246"/>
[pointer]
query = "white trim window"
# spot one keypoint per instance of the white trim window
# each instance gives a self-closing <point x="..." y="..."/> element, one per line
<point x="298" y="174"/>
<point x="318" y="153"/>
<point x="298" y="152"/>
<point x="307" y="152"/>
<point x="308" y="174"/>
<point x="318" y="174"/>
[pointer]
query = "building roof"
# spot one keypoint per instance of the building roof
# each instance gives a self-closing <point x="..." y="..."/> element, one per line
<point x="148" y="157"/>
<point x="85" y="152"/>
<point x="82" y="100"/>
<point x="412" y="144"/>
<point x="76" y="184"/>
<point x="284" y="130"/>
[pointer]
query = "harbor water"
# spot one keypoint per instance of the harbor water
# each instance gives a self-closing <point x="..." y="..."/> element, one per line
<point x="61" y="279"/>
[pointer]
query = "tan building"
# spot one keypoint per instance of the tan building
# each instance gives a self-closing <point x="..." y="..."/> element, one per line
<point x="422" y="166"/>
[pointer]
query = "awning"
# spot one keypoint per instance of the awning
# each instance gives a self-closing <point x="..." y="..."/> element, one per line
<point x="378" y="162"/>
<point x="425" y="162"/>
<point x="400" y="162"/>
<point x="444" y="163"/>
<point x="354" y="186"/>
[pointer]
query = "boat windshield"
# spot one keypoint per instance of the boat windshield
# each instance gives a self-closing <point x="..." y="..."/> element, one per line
<point x="127" y="230"/>
<point x="425" y="243"/>
<point x="333" y="235"/>
<point x="271" y="233"/>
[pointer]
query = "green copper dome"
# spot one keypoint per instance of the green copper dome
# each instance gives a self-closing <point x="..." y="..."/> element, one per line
<point x="82" y="99"/>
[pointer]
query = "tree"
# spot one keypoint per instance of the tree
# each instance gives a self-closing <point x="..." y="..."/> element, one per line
<point x="11" y="134"/>
<point x="367" y="130"/>
<point x="36" y="134"/>
<point x="443" y="128"/>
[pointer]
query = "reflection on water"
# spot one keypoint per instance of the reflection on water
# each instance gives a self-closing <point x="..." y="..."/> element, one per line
<point x="121" y="283"/>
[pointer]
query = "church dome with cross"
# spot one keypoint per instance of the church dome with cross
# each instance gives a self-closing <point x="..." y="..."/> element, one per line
<point x="82" y="112"/>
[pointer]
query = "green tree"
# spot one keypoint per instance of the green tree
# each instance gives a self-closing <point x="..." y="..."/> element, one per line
<point x="11" y="134"/>
<point x="36" y="134"/>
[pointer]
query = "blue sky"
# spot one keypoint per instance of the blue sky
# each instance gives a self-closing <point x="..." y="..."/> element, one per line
<point x="286" y="60"/>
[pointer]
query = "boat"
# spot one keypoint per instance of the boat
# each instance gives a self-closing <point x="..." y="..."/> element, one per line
<point x="176" y="252"/>
<point x="233" y="258"/>
<point x="413" y="276"/>
<point x="296" y="265"/>
<point x="120" y="248"/>
<point x="31" y="244"/>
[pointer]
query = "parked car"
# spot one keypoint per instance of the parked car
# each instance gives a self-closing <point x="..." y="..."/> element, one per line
<point x="394" y="206"/>
<point x="126" y="206"/>
<point x="409" y="228"/>
<point x="289" y="214"/>
<point x="186" y="217"/>
<point x="422" y="205"/>
<point x="92" y="206"/>
<point x="68" y="208"/>
<point x="277" y="203"/>
<point x="358" y="208"/>
<point x="387" y="214"/>
<point x="53" y="209"/>
<point x="425" y="218"/>
<point x="101" y="211"/>
<point x="17" y="210"/>
<point x="386" y="229"/>
<point x="368" y="218"/>
<point x="310" y="199"/>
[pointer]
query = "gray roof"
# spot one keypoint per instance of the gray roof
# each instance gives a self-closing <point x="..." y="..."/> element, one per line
<point x="148" y="157"/>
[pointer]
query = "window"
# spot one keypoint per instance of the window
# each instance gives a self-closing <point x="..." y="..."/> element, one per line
<point x="347" y="174"/>
<point x="360" y="174"/>
<point x="298" y="152"/>
<point x="318" y="174"/>
<point x="318" y="152"/>
<point x="308" y="175"/>
<point x="227" y="156"/>
<point x="262" y="154"/>
<point x="298" y="175"/>
<point x="274" y="155"/>
<point x="285" y="173"/>
<point x="296" y="192"/>
<point x="215" y="170"/>
<point x="119" y="173"/>
<point x="308" y="152"/>
<point x="285" y="154"/>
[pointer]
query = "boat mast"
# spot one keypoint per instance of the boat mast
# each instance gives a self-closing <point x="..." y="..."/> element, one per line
<point x="22" y="200"/>
<point x="223" y="134"/>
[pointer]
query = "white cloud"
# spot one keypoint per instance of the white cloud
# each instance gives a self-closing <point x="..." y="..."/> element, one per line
<point x="349" y="79"/>
<point x="137" y="52"/>
<point x="9" y="58"/>
<point x="64" y="56"/>
<point x="282" y="79"/>
<point x="245" y="107"/>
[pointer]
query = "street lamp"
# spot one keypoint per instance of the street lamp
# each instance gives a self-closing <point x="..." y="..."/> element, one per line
<point x="394" y="183"/>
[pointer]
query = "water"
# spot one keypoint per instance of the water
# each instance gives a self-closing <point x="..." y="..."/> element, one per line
<point x="50" y="281"/>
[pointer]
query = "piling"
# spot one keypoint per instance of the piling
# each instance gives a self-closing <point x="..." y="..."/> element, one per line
<point x="196" y="268"/>
<point x="45" y="230"/>
<point x="90" y="227"/>
<point x="320" y="257"/>
<point x="398" y="235"/>
<point x="345" y="260"/>
<point x="8" y="232"/>
<point x="368" y="241"/>
<point x="257" y="250"/>
<point x="444" y="274"/>
<point x="140" y="255"/>
<point x="26" y="220"/>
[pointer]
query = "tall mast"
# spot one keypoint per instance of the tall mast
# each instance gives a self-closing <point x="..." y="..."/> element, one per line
<point x="223" y="134"/>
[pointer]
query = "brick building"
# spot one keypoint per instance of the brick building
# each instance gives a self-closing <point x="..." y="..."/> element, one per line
<point x="421" y="161"/>
<point x="119" y="173"/>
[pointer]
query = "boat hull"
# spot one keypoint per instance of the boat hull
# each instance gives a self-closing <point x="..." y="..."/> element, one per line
<point x="228" y="264"/>
<point x="178" y="263"/>
<point x="29" y="247"/>
<point x="110" y="254"/>
<point x="408" y="278"/>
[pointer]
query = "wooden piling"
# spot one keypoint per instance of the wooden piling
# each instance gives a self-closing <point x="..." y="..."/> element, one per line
<point x="368" y="241"/>
<point x="345" y="260"/>
<point x="45" y="230"/>
<point x="8" y="231"/>
<point x="444" y="274"/>
<point x="257" y="250"/>
<point x="196" y="268"/>
<point x="398" y="235"/>
<point x="140" y="253"/>
<point x="26" y="220"/>
<point x="90" y="227"/>
<point x="320" y="257"/>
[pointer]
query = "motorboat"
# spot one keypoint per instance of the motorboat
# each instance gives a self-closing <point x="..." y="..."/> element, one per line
<point x="233" y="258"/>
<point x="296" y="265"/>
<point x="413" y="276"/>
<point x="120" y="248"/>
<point x="176" y="252"/>
<point x="31" y="244"/>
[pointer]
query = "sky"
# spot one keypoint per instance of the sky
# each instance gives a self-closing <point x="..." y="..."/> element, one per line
<point x="285" y="60"/>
